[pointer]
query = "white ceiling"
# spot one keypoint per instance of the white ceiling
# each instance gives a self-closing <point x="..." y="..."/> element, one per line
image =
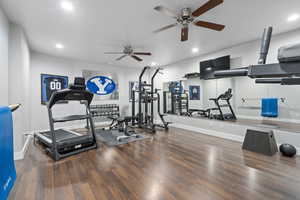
<point x="97" y="26"/>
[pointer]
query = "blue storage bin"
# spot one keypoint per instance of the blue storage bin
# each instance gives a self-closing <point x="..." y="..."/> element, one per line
<point x="269" y="107"/>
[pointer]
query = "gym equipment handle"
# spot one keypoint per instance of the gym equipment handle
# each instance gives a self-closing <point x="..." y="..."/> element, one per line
<point x="269" y="81"/>
<point x="265" y="44"/>
<point x="231" y="73"/>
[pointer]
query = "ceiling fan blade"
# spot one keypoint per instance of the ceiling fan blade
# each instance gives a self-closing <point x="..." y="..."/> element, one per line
<point x="213" y="26"/>
<point x="113" y="53"/>
<point x="206" y="7"/>
<point x="166" y="11"/>
<point x="184" y="33"/>
<point x="165" y="28"/>
<point x="142" y="53"/>
<point x="121" y="57"/>
<point x="136" y="58"/>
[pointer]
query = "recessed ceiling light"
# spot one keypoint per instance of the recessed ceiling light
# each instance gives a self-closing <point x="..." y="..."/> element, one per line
<point x="195" y="50"/>
<point x="67" y="5"/>
<point x="59" y="46"/>
<point x="293" y="17"/>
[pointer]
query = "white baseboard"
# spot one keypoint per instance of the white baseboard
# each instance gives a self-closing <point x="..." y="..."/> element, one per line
<point x="267" y="118"/>
<point x="21" y="154"/>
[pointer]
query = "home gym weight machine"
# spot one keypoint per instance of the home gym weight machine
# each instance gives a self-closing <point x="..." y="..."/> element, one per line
<point x="121" y="125"/>
<point x="119" y="131"/>
<point x="147" y="94"/>
<point x="165" y="124"/>
<point x="178" y="99"/>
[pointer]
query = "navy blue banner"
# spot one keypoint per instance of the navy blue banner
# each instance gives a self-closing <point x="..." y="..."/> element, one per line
<point x="51" y="83"/>
<point x="194" y="91"/>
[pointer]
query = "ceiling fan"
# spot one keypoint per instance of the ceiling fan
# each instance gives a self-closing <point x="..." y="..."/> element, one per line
<point x="128" y="51"/>
<point x="187" y="17"/>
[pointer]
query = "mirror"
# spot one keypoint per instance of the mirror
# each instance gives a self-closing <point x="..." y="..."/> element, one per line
<point x="194" y="97"/>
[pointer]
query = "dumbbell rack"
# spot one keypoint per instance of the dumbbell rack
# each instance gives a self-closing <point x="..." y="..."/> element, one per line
<point x="101" y="112"/>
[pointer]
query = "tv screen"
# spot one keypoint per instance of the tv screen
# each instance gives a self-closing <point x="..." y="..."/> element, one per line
<point x="208" y="67"/>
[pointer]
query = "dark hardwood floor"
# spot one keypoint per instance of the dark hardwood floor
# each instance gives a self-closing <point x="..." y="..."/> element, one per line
<point x="179" y="165"/>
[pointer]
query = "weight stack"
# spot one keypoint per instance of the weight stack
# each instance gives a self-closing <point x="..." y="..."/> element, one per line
<point x="260" y="142"/>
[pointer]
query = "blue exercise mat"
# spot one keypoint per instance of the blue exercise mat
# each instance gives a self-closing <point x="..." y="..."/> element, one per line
<point x="269" y="107"/>
<point x="7" y="166"/>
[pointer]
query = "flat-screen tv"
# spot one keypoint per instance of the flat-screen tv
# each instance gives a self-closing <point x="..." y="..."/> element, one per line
<point x="208" y="67"/>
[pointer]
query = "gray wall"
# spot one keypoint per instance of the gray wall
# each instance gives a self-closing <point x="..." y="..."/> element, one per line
<point x="14" y="76"/>
<point x="4" y="32"/>
<point x="41" y="63"/>
<point x="18" y="87"/>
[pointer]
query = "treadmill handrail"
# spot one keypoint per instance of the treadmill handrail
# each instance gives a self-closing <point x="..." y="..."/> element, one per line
<point x="70" y="95"/>
<point x="70" y="118"/>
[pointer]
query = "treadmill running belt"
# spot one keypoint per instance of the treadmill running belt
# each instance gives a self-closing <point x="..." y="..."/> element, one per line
<point x="60" y="134"/>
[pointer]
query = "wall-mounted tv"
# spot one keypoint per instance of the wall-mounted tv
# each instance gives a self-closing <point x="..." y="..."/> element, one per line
<point x="208" y="67"/>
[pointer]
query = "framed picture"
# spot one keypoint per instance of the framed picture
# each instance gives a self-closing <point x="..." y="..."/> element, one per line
<point x="51" y="83"/>
<point x="194" y="91"/>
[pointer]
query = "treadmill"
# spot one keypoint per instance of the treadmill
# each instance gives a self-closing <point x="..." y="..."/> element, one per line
<point x="225" y="97"/>
<point x="61" y="143"/>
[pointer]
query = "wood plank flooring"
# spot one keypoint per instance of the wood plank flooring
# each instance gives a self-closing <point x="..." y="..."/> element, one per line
<point x="178" y="165"/>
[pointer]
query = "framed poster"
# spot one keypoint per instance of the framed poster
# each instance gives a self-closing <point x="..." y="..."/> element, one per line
<point x="194" y="91"/>
<point x="51" y="83"/>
